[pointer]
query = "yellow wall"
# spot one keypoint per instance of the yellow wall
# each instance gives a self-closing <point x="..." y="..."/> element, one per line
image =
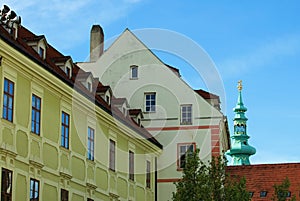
<point x="41" y="157"/>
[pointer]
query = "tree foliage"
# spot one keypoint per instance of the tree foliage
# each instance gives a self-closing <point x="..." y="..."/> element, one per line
<point x="208" y="182"/>
<point x="281" y="191"/>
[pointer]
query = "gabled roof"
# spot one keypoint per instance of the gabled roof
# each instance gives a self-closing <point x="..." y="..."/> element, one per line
<point x="20" y="45"/>
<point x="82" y="75"/>
<point x="102" y="89"/>
<point x="61" y="59"/>
<point x="119" y="101"/>
<point x="35" y="38"/>
<point x="135" y="112"/>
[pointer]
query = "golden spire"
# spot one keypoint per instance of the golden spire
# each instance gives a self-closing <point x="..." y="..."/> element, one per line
<point x="240" y="86"/>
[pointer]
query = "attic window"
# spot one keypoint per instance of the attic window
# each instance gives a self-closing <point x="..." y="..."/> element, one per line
<point x="107" y="99"/>
<point x="89" y="86"/>
<point x="41" y="52"/>
<point x="263" y="194"/>
<point x="68" y="71"/>
<point x="134" y="72"/>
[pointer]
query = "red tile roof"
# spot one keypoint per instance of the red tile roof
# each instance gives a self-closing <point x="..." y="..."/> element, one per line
<point x="61" y="59"/>
<point x="20" y="44"/>
<point x="262" y="177"/>
<point x="175" y="70"/>
<point x="135" y="112"/>
<point x="118" y="101"/>
<point x="207" y="95"/>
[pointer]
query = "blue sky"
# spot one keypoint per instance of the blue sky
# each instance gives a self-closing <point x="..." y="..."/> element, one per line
<point x="256" y="41"/>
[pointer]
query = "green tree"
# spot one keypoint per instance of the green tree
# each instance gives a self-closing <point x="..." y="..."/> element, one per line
<point x="208" y="182"/>
<point x="281" y="191"/>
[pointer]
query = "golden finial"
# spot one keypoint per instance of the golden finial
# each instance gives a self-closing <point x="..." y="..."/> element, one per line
<point x="240" y="86"/>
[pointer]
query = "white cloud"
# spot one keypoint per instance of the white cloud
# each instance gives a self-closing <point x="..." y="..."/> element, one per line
<point x="261" y="56"/>
<point x="66" y="23"/>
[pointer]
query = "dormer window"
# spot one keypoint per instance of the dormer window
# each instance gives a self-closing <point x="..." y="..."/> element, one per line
<point x="39" y="44"/>
<point x="89" y="86"/>
<point x="107" y="99"/>
<point x="136" y="115"/>
<point x="65" y="63"/>
<point x="68" y="71"/>
<point x="41" y="52"/>
<point x="105" y="93"/>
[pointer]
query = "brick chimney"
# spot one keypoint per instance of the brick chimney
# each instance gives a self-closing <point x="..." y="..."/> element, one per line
<point x="96" y="43"/>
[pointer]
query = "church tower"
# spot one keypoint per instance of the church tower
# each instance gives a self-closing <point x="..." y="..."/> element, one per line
<point x="240" y="150"/>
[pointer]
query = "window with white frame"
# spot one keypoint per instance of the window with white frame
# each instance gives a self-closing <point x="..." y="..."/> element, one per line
<point x="186" y="114"/>
<point x="64" y="195"/>
<point x="133" y="72"/>
<point x="8" y="100"/>
<point x="6" y="184"/>
<point x="41" y="52"/>
<point x="182" y="150"/>
<point x="36" y="114"/>
<point x="148" y="174"/>
<point x="68" y="71"/>
<point x="34" y="190"/>
<point x="112" y="155"/>
<point x="150" y="102"/>
<point x="91" y="145"/>
<point x="131" y="165"/>
<point x="65" y="129"/>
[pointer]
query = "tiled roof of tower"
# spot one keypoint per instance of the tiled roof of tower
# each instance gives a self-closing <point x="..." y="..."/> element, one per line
<point x="262" y="177"/>
<point x="52" y="55"/>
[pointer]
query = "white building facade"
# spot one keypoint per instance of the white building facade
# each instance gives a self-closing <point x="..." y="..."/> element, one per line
<point x="179" y="117"/>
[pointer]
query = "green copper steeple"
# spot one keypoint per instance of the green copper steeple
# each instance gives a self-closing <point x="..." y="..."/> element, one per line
<point x="240" y="150"/>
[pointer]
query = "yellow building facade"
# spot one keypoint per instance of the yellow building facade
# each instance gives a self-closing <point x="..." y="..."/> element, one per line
<point x="59" y="138"/>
